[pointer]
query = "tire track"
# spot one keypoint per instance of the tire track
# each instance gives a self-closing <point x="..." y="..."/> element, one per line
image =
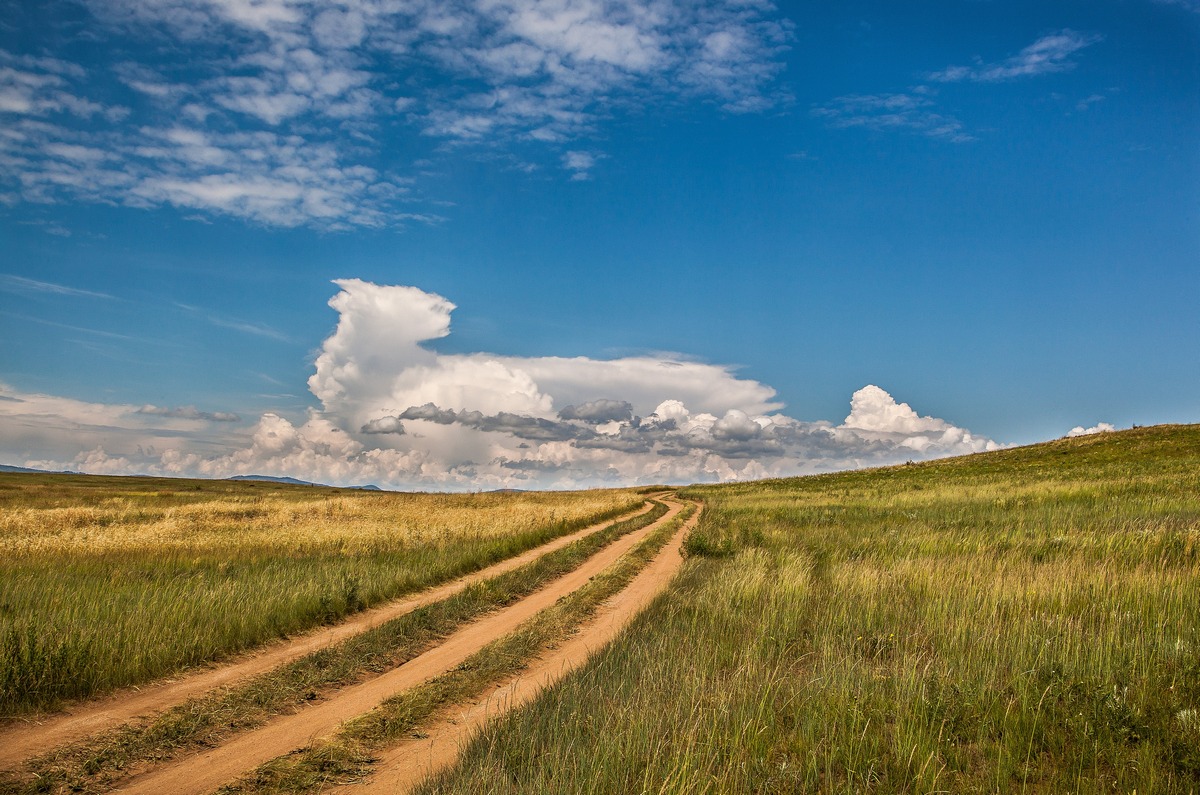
<point x="24" y="741"/>
<point x="406" y="765"/>
<point x="203" y="772"/>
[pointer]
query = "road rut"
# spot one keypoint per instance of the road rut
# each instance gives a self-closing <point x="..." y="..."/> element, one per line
<point x="406" y="765"/>
<point x="203" y="772"/>
<point x="23" y="741"/>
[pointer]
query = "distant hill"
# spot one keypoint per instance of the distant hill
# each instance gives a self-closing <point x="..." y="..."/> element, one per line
<point x="272" y="479"/>
<point x="9" y="468"/>
<point x="297" y="482"/>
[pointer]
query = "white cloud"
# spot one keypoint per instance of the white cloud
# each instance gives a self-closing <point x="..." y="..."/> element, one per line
<point x="398" y="414"/>
<point x="580" y="164"/>
<point x="264" y="177"/>
<point x="912" y="112"/>
<point x="1100" y="427"/>
<point x="1049" y="54"/>
<point x="21" y="284"/>
<point x="916" y="110"/>
<point x="872" y="409"/>
<point x="36" y="427"/>
<point x="275" y="110"/>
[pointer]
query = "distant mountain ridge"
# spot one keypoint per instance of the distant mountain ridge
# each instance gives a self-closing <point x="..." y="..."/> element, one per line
<point x="274" y="479"/>
<point x="297" y="482"/>
<point x="259" y="478"/>
<point x="10" y="468"/>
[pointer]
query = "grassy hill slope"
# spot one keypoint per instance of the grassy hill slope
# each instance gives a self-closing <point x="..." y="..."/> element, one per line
<point x="1020" y="621"/>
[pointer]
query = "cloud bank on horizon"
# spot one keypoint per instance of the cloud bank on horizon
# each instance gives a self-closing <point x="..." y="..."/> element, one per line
<point x="396" y="413"/>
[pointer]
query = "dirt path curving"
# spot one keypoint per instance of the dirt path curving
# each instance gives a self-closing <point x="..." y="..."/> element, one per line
<point x="406" y="765"/>
<point x="25" y="740"/>
<point x="204" y="772"/>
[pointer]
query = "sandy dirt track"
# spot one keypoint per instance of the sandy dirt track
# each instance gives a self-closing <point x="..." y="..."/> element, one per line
<point x="403" y="767"/>
<point x="25" y="740"/>
<point x="204" y="772"/>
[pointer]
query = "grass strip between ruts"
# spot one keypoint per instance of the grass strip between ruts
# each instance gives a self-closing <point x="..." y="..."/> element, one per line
<point x="347" y="757"/>
<point x="97" y="764"/>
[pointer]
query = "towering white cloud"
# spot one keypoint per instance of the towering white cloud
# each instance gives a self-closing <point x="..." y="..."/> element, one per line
<point x="395" y="413"/>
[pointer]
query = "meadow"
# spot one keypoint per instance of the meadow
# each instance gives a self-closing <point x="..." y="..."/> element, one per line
<point x="1020" y="621"/>
<point x="109" y="582"/>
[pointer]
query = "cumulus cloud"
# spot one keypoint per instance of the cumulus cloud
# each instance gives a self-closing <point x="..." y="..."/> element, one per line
<point x="396" y="413"/>
<point x="872" y="409"/>
<point x="1100" y="427"/>
<point x="277" y="112"/>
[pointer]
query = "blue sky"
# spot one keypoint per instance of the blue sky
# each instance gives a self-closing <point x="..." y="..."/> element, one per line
<point x="714" y="225"/>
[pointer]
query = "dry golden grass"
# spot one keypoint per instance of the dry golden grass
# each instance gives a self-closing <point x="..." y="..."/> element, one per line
<point x="106" y="582"/>
<point x="352" y="522"/>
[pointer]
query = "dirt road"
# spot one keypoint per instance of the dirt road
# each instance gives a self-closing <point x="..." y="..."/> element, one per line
<point x="201" y="773"/>
<point x="401" y="768"/>
<point x="25" y="740"/>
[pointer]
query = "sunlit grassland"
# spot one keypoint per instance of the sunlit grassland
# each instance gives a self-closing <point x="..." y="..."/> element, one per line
<point x="106" y="582"/>
<point x="1020" y="621"/>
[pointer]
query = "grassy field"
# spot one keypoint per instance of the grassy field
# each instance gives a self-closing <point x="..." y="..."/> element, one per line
<point x="106" y="582"/>
<point x="1020" y="621"/>
<point x="348" y="755"/>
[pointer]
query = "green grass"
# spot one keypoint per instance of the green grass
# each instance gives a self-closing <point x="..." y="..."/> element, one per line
<point x="1020" y="621"/>
<point x="109" y="582"/>
<point x="95" y="764"/>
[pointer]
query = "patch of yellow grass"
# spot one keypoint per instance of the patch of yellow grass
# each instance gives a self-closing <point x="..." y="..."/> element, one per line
<point x="352" y="522"/>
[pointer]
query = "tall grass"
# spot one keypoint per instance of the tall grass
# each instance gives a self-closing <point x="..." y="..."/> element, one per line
<point x="108" y="582"/>
<point x="1024" y="621"/>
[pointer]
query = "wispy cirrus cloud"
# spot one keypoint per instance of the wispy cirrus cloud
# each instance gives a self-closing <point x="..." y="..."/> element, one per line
<point x="21" y="284"/>
<point x="277" y="112"/>
<point x="237" y="324"/>
<point x="918" y="110"/>
<point x="913" y="111"/>
<point x="1049" y="54"/>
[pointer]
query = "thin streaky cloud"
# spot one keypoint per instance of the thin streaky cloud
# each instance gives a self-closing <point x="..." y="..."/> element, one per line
<point x="68" y="327"/>
<point x="13" y="283"/>
<point x="246" y="327"/>
<point x="1047" y="55"/>
<point x="236" y="324"/>
<point x="912" y="112"/>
